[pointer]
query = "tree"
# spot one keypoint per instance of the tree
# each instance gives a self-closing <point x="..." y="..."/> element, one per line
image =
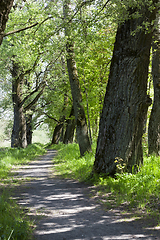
<point x="80" y="118"/>
<point x="18" y="138"/>
<point x="154" y="122"/>
<point x="23" y="64"/>
<point x="21" y="129"/>
<point x="5" y="7"/>
<point x="126" y="101"/>
<point x="70" y="127"/>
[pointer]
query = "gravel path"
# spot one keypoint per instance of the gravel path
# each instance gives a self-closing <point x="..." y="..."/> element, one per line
<point x="67" y="213"/>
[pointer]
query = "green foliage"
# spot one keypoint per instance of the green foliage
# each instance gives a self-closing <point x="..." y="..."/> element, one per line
<point x="68" y="162"/>
<point x="93" y="62"/>
<point x="141" y="190"/>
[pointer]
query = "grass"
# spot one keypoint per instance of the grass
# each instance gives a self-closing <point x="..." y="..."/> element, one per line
<point x="14" y="223"/>
<point x="140" y="191"/>
<point x="69" y="164"/>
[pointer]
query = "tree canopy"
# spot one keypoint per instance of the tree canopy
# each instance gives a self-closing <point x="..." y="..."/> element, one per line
<point x="34" y="73"/>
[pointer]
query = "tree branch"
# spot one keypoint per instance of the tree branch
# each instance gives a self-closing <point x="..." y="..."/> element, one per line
<point x="34" y="100"/>
<point x="50" y="117"/>
<point x="36" y="90"/>
<point x="38" y="124"/>
<point x="100" y="10"/>
<point x="20" y="30"/>
<point x="25" y="28"/>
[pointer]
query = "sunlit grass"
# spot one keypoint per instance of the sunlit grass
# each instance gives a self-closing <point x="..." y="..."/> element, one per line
<point x="68" y="162"/>
<point x="141" y="190"/>
<point x="15" y="156"/>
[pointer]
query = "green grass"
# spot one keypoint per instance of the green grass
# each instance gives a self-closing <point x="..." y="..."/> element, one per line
<point x="141" y="190"/>
<point x="14" y="223"/>
<point x="69" y="164"/>
<point x="15" y="156"/>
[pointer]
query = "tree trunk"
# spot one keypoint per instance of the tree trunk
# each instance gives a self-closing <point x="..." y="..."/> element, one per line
<point x="69" y="133"/>
<point x="57" y="133"/>
<point x="5" y="7"/>
<point x="126" y="101"/>
<point x="80" y="118"/>
<point x="29" y="128"/>
<point x="18" y="138"/>
<point x="154" y="123"/>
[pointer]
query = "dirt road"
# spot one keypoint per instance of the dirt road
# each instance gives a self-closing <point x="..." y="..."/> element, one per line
<point x="65" y="212"/>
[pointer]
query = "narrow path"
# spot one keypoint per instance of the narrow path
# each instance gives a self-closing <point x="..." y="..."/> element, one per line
<point x="68" y="214"/>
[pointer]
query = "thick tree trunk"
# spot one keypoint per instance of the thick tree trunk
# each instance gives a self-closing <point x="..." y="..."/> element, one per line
<point x="5" y="7"/>
<point x="80" y="118"/>
<point x="154" y="123"/>
<point x="18" y="138"/>
<point x="69" y="133"/>
<point x="126" y="101"/>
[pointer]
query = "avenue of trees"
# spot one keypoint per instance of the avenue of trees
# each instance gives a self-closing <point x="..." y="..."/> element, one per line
<point x="82" y="68"/>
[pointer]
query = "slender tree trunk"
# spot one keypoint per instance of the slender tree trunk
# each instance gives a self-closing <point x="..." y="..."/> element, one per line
<point x="80" y="118"/>
<point x="18" y="138"/>
<point x="69" y="133"/>
<point x="57" y="133"/>
<point x="5" y="7"/>
<point x="154" y="123"/>
<point x="29" y="128"/>
<point x="126" y="101"/>
<point x="88" y="115"/>
<point x="29" y="114"/>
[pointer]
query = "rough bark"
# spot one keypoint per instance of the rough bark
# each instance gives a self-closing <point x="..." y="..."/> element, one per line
<point x="80" y="118"/>
<point x="154" y="123"/>
<point x="18" y="138"/>
<point x="70" y="127"/>
<point x="5" y="7"/>
<point x="126" y="101"/>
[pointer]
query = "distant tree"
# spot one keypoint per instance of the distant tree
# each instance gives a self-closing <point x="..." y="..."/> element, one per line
<point x="18" y="138"/>
<point x="80" y="117"/>
<point x="126" y="101"/>
<point x="22" y="130"/>
<point x="70" y="128"/>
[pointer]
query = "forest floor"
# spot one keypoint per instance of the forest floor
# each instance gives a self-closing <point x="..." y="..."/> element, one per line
<point x="68" y="210"/>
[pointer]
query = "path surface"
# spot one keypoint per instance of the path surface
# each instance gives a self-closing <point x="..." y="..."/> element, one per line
<point x="68" y="212"/>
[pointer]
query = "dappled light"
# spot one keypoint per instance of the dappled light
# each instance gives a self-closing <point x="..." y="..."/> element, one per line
<point x="63" y="210"/>
<point x="81" y="77"/>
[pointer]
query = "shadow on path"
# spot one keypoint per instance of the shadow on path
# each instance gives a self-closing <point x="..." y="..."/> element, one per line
<point x="68" y="214"/>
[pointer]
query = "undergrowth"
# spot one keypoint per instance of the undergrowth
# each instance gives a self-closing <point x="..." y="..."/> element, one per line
<point x="13" y="221"/>
<point x="141" y="190"/>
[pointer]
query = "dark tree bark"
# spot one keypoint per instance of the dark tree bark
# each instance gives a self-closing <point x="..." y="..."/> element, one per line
<point x="57" y="133"/>
<point x="154" y="123"/>
<point x="70" y="127"/>
<point x="18" y="138"/>
<point x="29" y="128"/>
<point x="5" y="7"/>
<point x="80" y="118"/>
<point x="126" y="101"/>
